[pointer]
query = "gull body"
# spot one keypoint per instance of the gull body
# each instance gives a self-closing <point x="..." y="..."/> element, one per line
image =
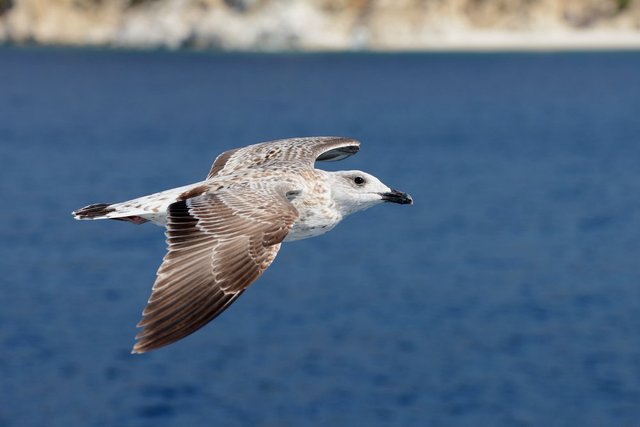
<point x="223" y="232"/>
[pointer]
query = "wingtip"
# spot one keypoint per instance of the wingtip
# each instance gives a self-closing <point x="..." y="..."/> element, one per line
<point x="137" y="349"/>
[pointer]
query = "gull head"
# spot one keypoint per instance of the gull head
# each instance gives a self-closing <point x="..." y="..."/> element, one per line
<point x="353" y="191"/>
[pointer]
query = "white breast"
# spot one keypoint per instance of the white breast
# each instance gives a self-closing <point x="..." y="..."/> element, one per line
<point x="318" y="214"/>
<point x="310" y="228"/>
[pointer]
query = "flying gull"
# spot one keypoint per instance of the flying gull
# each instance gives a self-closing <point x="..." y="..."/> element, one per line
<point x="223" y="232"/>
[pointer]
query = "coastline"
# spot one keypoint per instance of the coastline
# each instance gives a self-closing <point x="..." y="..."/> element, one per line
<point x="308" y="26"/>
<point x="475" y="43"/>
<point x="519" y="42"/>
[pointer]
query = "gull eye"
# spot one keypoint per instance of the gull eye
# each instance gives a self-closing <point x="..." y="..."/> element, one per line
<point x="359" y="180"/>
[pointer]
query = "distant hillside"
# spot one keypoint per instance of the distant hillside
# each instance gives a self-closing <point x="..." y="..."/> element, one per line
<point x="324" y="24"/>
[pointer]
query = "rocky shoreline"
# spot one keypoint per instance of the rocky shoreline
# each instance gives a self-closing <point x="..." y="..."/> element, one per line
<point x="275" y="25"/>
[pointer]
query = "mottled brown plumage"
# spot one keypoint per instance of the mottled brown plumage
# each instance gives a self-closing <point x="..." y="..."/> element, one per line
<point x="224" y="232"/>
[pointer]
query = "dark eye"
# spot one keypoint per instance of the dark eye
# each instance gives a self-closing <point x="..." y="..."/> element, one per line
<point x="359" y="180"/>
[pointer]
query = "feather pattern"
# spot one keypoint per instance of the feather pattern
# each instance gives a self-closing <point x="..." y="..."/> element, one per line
<point x="216" y="248"/>
<point x="294" y="153"/>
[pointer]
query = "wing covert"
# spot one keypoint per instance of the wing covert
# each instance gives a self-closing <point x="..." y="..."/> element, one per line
<point x="294" y="153"/>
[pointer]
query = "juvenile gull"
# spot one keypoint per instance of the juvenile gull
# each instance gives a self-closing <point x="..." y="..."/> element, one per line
<point x="223" y="232"/>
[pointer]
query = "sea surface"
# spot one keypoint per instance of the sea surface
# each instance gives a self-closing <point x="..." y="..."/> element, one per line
<point x="508" y="295"/>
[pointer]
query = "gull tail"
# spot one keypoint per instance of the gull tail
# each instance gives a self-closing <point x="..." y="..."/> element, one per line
<point x="95" y="211"/>
<point x="143" y="209"/>
<point x="106" y="211"/>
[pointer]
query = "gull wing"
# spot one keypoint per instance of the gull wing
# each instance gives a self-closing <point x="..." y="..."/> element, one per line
<point x="294" y="153"/>
<point x="218" y="244"/>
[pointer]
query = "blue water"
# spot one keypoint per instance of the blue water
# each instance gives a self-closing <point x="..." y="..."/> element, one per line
<point x="508" y="295"/>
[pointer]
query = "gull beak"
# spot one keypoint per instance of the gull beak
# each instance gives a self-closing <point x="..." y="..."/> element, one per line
<point x="395" y="196"/>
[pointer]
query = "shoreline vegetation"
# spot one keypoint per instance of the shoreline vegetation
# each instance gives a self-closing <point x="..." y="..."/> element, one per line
<point x="325" y="25"/>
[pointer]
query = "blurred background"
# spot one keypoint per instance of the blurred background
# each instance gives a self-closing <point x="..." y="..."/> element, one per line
<point x="324" y="24"/>
<point x="508" y="295"/>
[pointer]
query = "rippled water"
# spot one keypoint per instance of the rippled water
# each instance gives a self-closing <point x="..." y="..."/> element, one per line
<point x="508" y="295"/>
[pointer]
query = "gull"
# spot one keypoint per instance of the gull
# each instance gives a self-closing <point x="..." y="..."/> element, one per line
<point x="222" y="233"/>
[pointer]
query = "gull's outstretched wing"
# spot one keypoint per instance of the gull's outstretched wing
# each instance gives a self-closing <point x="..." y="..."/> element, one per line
<point x="218" y="244"/>
<point x="293" y="153"/>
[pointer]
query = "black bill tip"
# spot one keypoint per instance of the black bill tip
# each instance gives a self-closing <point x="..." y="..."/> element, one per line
<point x="395" y="196"/>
